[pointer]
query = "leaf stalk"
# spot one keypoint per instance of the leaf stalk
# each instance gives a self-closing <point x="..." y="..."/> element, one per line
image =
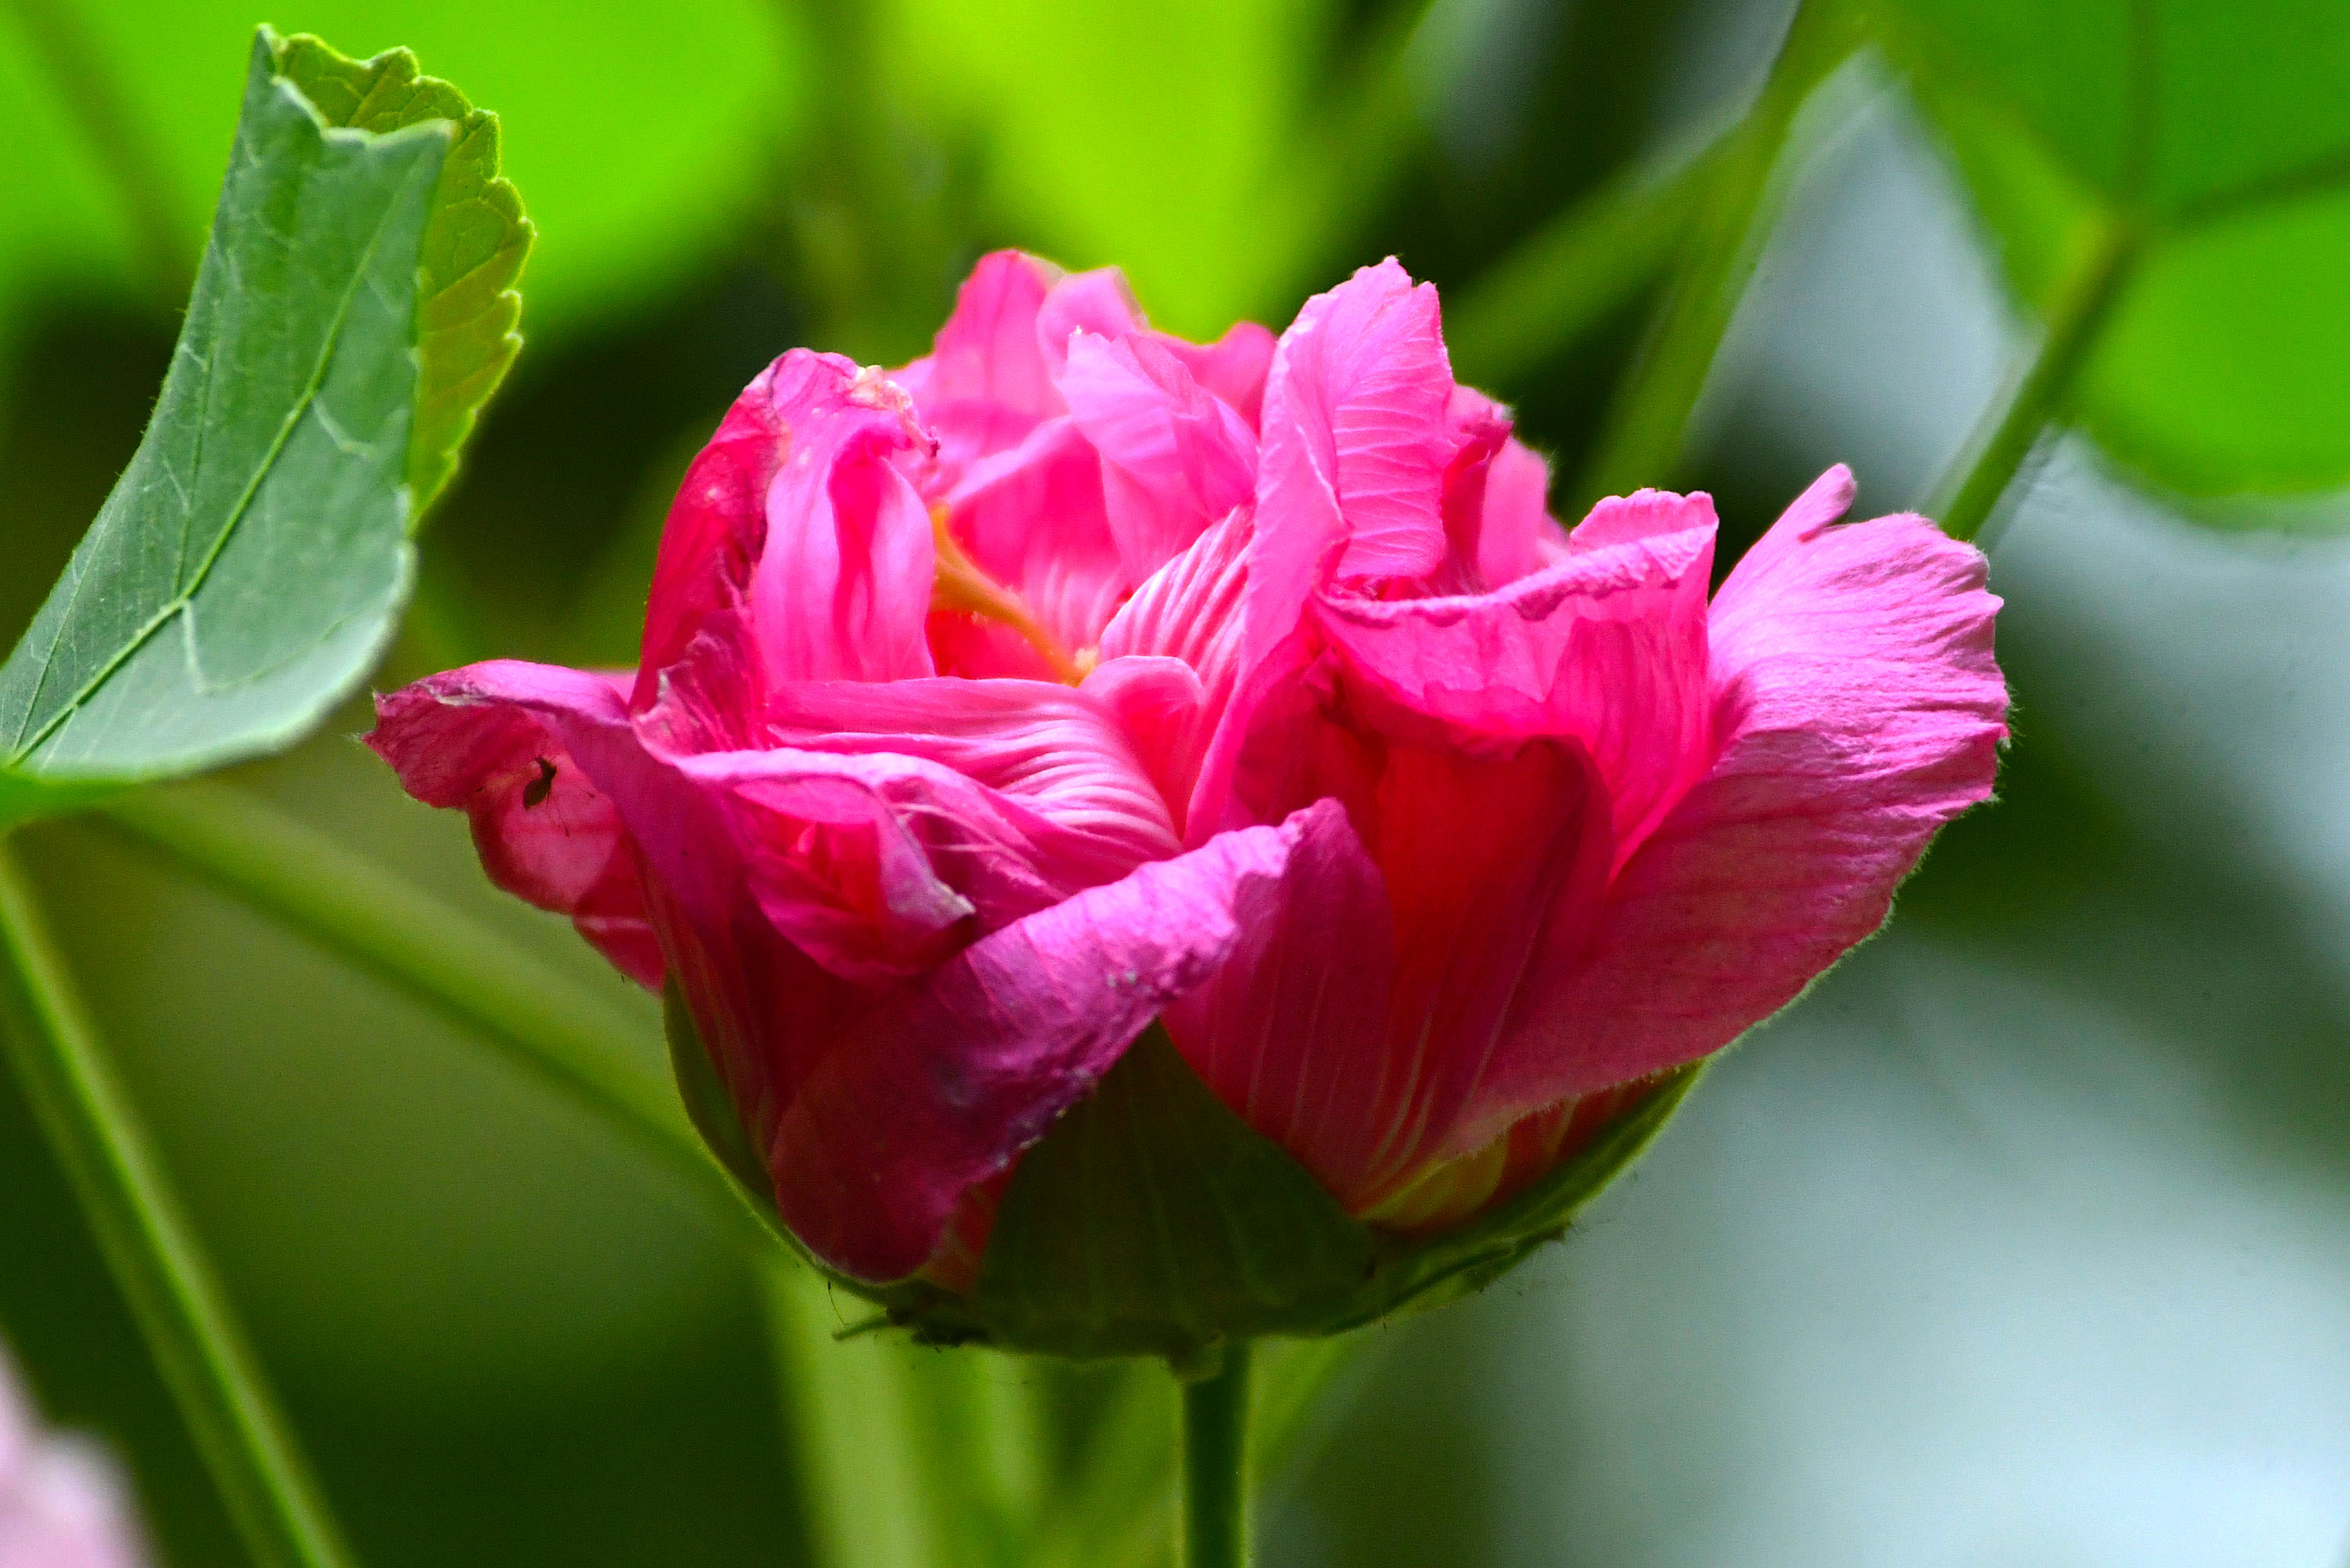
<point x="149" y="1247"/>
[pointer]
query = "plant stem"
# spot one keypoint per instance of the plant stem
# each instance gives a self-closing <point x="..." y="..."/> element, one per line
<point x="1969" y="493"/>
<point x="153" y="1254"/>
<point x="117" y="141"/>
<point x="1215" y="1465"/>
<point x="1565" y="277"/>
<point x="1641" y="440"/>
<point x="353" y="908"/>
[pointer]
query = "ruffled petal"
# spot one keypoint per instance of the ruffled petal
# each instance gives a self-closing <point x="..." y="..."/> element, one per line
<point x="942" y="1083"/>
<point x="1356" y="443"/>
<point x="1859" y="707"/>
<point x="493" y="740"/>
<point x="1174" y="457"/>
<point x="1608" y="648"/>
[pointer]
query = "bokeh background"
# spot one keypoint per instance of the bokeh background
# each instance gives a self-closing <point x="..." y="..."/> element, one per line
<point x="2021" y="1242"/>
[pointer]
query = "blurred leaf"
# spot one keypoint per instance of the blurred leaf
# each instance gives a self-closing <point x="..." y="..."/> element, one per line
<point x="251" y="561"/>
<point x="1150" y="137"/>
<point x="2221" y="136"/>
<point x="474" y="243"/>
<point x="643" y="135"/>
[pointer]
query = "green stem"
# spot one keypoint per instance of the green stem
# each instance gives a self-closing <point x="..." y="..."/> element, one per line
<point x="1640" y="442"/>
<point x="1564" y="278"/>
<point x="1215" y="1465"/>
<point x="115" y="139"/>
<point x="154" y="1256"/>
<point x="1968" y="496"/>
<point x="353" y="908"/>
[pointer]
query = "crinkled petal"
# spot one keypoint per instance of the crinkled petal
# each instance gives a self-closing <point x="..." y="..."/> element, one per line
<point x="1174" y="457"/>
<point x="947" y="1079"/>
<point x="1608" y="648"/>
<point x="1858" y="708"/>
<point x="495" y="740"/>
<point x="1162" y="709"/>
<point x="1356" y="443"/>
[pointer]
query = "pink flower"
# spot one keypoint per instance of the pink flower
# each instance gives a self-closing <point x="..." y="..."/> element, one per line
<point x="1076" y="675"/>
<point x="61" y="1503"/>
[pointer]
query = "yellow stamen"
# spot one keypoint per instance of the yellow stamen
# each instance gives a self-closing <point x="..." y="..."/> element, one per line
<point x="961" y="586"/>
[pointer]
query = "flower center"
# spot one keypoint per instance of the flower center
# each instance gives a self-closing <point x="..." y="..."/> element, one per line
<point x="959" y="585"/>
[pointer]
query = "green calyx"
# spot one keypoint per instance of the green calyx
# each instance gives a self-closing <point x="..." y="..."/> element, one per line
<point x="1151" y="1221"/>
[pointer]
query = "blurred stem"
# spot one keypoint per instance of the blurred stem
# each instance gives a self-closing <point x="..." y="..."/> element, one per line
<point x="902" y="1449"/>
<point x="1216" y="1464"/>
<point x="120" y="148"/>
<point x="153" y="1254"/>
<point x="347" y="905"/>
<point x="1640" y="442"/>
<point x="1563" y="279"/>
<point x="1114" y="1514"/>
<point x="1968" y="495"/>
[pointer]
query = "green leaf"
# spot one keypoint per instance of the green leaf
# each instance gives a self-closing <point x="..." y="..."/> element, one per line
<point x="473" y="245"/>
<point x="2219" y="137"/>
<point x="1154" y="138"/>
<point x="250" y="563"/>
<point x="644" y="134"/>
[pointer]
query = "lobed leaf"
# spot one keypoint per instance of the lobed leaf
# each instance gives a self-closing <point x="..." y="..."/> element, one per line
<point x="475" y="244"/>
<point x="2221" y="135"/>
<point x="251" y="563"/>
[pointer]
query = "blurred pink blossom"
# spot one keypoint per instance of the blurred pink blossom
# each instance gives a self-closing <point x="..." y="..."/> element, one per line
<point x="1076" y="675"/>
<point x="62" y="1505"/>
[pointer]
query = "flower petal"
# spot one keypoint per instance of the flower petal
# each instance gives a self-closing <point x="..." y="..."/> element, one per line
<point x="795" y="548"/>
<point x="1099" y="302"/>
<point x="1290" y="1032"/>
<point x="493" y="740"/>
<point x="985" y="384"/>
<point x="885" y="826"/>
<point x="1607" y="647"/>
<point x="842" y="591"/>
<point x="947" y="1079"/>
<point x="1479" y="851"/>
<point x="1034" y="519"/>
<point x="1174" y="457"/>
<point x="1859" y="707"/>
<point x="1356" y="443"/>
<point x="1233" y="367"/>
<point x="1191" y="609"/>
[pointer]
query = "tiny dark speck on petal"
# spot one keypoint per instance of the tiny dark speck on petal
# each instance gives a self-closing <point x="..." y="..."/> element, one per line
<point x="535" y="793"/>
